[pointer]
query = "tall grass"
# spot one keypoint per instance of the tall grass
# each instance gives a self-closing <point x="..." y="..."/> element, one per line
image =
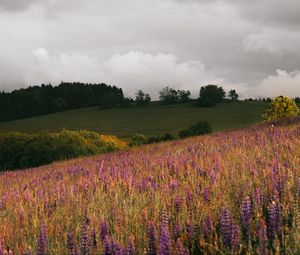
<point x="228" y="193"/>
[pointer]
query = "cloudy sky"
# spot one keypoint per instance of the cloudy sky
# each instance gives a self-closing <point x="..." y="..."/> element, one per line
<point x="252" y="46"/>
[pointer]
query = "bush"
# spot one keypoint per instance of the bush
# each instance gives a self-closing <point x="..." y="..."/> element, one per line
<point x="163" y="138"/>
<point x="200" y="128"/>
<point x="138" y="139"/>
<point x="281" y="107"/>
<point x="19" y="150"/>
<point x="185" y="133"/>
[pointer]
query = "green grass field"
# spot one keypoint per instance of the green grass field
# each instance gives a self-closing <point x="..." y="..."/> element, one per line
<point x="151" y="120"/>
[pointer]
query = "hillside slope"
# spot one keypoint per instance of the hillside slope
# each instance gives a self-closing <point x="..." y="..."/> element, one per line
<point x="232" y="191"/>
<point x="151" y="120"/>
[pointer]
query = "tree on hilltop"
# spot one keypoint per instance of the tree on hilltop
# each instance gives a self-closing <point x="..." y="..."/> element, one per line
<point x="210" y="95"/>
<point x="233" y="95"/>
<point x="142" y="98"/>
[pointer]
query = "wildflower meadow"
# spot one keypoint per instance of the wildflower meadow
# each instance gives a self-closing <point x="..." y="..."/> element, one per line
<point x="234" y="192"/>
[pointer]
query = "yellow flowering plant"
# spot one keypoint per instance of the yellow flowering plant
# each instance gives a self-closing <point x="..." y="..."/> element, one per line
<point x="281" y="107"/>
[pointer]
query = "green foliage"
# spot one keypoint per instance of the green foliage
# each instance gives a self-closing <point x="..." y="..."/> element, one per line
<point x="185" y="133"/>
<point x="163" y="138"/>
<point x="19" y="150"/>
<point x="210" y="95"/>
<point x="142" y="98"/>
<point x="233" y="95"/>
<point x="138" y="139"/>
<point x="281" y="107"/>
<point x="171" y="96"/>
<point x="44" y="99"/>
<point x="200" y="128"/>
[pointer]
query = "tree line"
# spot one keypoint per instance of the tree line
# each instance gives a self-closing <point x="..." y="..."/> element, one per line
<point x="44" y="99"/>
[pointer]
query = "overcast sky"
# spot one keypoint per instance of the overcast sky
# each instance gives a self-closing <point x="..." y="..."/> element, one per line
<point x="252" y="46"/>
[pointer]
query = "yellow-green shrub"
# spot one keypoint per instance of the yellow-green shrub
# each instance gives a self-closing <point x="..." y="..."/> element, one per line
<point x="19" y="150"/>
<point x="281" y="107"/>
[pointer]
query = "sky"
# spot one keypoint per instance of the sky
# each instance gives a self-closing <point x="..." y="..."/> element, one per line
<point x="251" y="46"/>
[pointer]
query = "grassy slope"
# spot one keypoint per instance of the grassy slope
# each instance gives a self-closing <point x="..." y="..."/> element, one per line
<point x="151" y="120"/>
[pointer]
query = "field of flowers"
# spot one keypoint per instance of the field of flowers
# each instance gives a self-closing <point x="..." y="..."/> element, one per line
<point x="234" y="192"/>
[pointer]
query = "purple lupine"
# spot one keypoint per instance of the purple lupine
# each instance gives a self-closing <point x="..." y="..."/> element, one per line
<point x="259" y="198"/>
<point x="280" y="189"/>
<point x="262" y="238"/>
<point x="235" y="237"/>
<point x="94" y="238"/>
<point x="164" y="218"/>
<point x="189" y="198"/>
<point x="104" y="230"/>
<point x="179" y="250"/>
<point x="41" y="245"/>
<point x="131" y="247"/>
<point x="74" y="250"/>
<point x="225" y="225"/>
<point x="207" y="226"/>
<point x="246" y="216"/>
<point x="151" y="239"/>
<point x="278" y="224"/>
<point x="177" y="204"/>
<point x="70" y="241"/>
<point x="84" y="239"/>
<point x="107" y="246"/>
<point x="118" y="249"/>
<point x="271" y="221"/>
<point x="164" y="240"/>
<point x="190" y="231"/>
<point x="176" y="232"/>
<point x="206" y="195"/>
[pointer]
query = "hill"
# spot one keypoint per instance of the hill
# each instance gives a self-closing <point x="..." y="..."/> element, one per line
<point x="228" y="193"/>
<point x="151" y="120"/>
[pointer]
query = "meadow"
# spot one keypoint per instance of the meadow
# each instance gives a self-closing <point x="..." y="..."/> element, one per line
<point x="233" y="192"/>
<point x="152" y="120"/>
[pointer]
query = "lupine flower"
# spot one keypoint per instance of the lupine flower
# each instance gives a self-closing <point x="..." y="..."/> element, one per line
<point x="190" y="231"/>
<point x="41" y="245"/>
<point x="164" y="218"/>
<point x="271" y="221"/>
<point x="94" y="238"/>
<point x="70" y="241"/>
<point x="179" y="250"/>
<point x="104" y="230"/>
<point x="259" y="198"/>
<point x="189" y="198"/>
<point x="206" y="195"/>
<point x="246" y="216"/>
<point x="74" y="250"/>
<point x="151" y="239"/>
<point x="226" y="227"/>
<point x="131" y="247"/>
<point x="84" y="240"/>
<point x="164" y="240"/>
<point x="107" y="246"/>
<point x="235" y="237"/>
<point x="262" y="237"/>
<point x="207" y="226"/>
<point x="178" y="202"/>
<point x="176" y="232"/>
<point x="118" y="249"/>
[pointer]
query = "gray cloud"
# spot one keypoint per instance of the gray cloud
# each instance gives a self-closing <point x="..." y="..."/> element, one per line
<point x="15" y="5"/>
<point x="151" y="43"/>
